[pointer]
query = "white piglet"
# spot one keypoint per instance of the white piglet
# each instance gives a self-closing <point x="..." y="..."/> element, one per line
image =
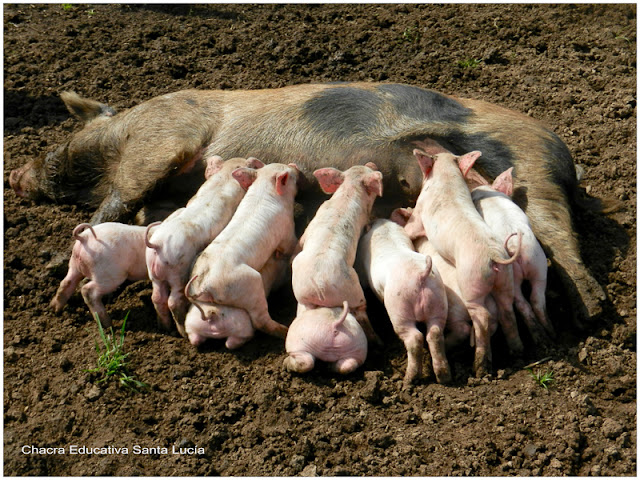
<point x="503" y="215"/>
<point x="106" y="254"/>
<point x="412" y="291"/>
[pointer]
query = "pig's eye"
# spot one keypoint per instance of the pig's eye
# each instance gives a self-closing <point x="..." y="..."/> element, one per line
<point x="404" y="183"/>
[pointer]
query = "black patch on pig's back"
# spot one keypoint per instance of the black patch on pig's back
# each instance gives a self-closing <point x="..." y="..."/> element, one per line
<point x="343" y="111"/>
<point x="422" y="104"/>
<point x="496" y="156"/>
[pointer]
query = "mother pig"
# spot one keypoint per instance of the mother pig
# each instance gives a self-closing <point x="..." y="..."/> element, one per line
<point x="120" y="161"/>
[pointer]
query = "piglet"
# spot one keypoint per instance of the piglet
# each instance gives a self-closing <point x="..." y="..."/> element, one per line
<point x="446" y="215"/>
<point x="227" y="272"/>
<point x="329" y="334"/>
<point x="412" y="292"/>
<point x="504" y="216"/>
<point x="174" y="244"/>
<point x="107" y="254"/>
<point x="458" y="327"/>
<point x="219" y="321"/>
<point x="322" y="273"/>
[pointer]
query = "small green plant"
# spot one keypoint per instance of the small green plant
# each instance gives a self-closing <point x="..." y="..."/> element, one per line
<point x="112" y="362"/>
<point x="469" y="63"/>
<point x="91" y="11"/>
<point x="622" y="37"/>
<point x="410" y="35"/>
<point x="67" y="6"/>
<point x="543" y="379"/>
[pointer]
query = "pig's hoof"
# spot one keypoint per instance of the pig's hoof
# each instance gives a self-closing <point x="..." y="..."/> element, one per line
<point x="55" y="306"/>
<point x="444" y="377"/>
<point x="481" y="367"/>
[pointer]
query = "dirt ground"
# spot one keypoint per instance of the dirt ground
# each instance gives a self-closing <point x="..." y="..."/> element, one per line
<point x="573" y="67"/>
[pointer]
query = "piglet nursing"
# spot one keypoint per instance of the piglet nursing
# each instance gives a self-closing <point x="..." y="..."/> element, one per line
<point x="209" y="320"/>
<point x="322" y="273"/>
<point x="412" y="292"/>
<point x="446" y="215"/>
<point x="174" y="244"/>
<point x="504" y="216"/>
<point x="106" y="254"/>
<point x="227" y="272"/>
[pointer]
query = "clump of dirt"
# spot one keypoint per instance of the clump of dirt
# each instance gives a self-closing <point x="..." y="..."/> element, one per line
<point x="239" y="413"/>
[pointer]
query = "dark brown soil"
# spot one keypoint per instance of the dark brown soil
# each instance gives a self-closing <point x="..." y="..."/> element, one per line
<point x="573" y="67"/>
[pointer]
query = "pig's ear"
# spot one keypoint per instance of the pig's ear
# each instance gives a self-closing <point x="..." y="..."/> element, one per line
<point x="424" y="160"/>
<point x="401" y="216"/>
<point x="372" y="166"/>
<point x="373" y="183"/>
<point x="253" y="162"/>
<point x="214" y="164"/>
<point x="85" y="109"/>
<point x="329" y="179"/>
<point x="281" y="182"/>
<point x="504" y="182"/>
<point x="466" y="161"/>
<point x="245" y="176"/>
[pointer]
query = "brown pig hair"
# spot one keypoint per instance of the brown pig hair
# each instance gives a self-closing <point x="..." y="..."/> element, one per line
<point x="82" y="227"/>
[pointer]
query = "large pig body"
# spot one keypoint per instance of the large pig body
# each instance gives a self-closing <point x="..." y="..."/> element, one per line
<point x="504" y="216"/>
<point x="322" y="273"/>
<point x="447" y="216"/>
<point x="332" y="335"/>
<point x="172" y="246"/>
<point x="106" y="254"/>
<point x="412" y="292"/>
<point x="208" y="320"/>
<point x="119" y="161"/>
<point x="227" y="271"/>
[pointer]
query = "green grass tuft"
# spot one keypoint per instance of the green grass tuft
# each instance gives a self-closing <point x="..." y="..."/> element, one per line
<point x="112" y="361"/>
<point x="543" y="379"/>
<point x="469" y="63"/>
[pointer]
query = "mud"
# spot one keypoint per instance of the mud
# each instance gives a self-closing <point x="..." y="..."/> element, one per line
<point x="573" y="67"/>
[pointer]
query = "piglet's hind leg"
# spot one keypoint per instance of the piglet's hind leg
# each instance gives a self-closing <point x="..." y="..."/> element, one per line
<point x="299" y="362"/>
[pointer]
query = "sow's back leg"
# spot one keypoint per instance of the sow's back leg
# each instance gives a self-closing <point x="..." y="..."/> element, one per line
<point x="551" y="222"/>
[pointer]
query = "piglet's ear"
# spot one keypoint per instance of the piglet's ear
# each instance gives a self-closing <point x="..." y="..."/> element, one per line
<point x="372" y="166"/>
<point x="466" y="161"/>
<point x="253" y="162"/>
<point x="281" y="182"/>
<point x="329" y="179"/>
<point x="424" y="160"/>
<point x="504" y="182"/>
<point x="373" y="183"/>
<point x="245" y="176"/>
<point x="214" y="164"/>
<point x="401" y="216"/>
